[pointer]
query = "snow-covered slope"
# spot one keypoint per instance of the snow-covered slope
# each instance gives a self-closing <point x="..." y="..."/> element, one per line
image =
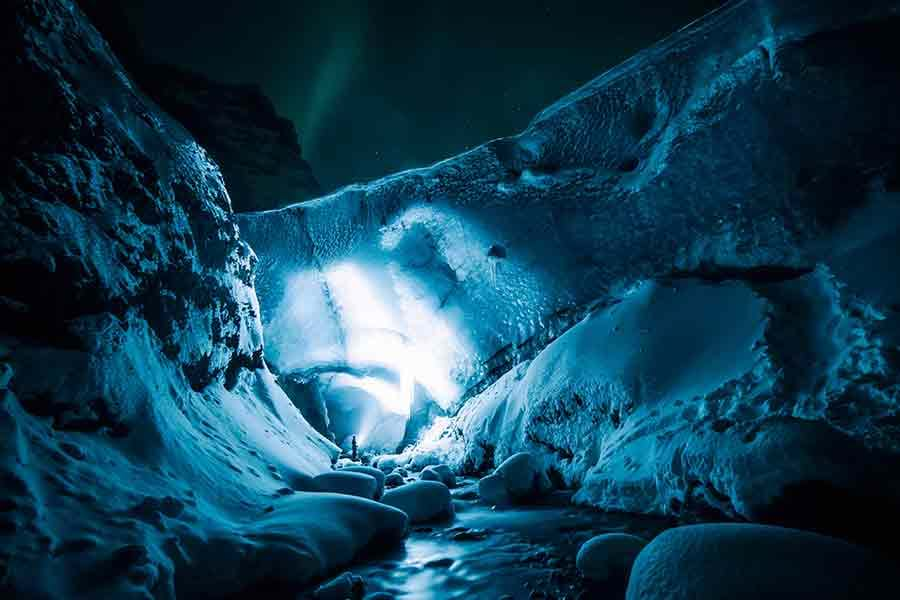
<point x="145" y="449"/>
<point x="690" y="397"/>
<point x="757" y="146"/>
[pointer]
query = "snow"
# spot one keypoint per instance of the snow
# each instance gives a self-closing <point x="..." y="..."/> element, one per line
<point x="353" y="484"/>
<point x="742" y="561"/>
<point x="674" y="399"/>
<point x="441" y="473"/>
<point x="609" y="556"/>
<point x="519" y="478"/>
<point x="652" y="168"/>
<point x="422" y="500"/>
<point x="370" y="471"/>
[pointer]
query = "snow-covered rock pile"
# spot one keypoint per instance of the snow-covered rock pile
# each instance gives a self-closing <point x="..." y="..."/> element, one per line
<point x="724" y="209"/>
<point x="145" y="449"/>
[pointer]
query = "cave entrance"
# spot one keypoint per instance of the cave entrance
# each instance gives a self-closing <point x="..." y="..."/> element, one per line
<point x="372" y="350"/>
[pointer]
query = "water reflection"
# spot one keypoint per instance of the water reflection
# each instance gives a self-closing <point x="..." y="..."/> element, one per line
<point x="484" y="553"/>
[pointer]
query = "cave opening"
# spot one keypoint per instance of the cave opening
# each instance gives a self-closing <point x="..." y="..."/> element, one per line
<point x="376" y="349"/>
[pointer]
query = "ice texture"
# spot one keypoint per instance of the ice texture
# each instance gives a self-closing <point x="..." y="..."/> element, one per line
<point x="757" y="145"/>
<point x="702" y="212"/>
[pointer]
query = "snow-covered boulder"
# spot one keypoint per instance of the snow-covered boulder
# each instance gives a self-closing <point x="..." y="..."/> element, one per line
<point x="519" y="478"/>
<point x="744" y="562"/>
<point x="347" y="482"/>
<point x="388" y="462"/>
<point x="393" y="479"/>
<point x="421" y="500"/>
<point x="441" y="473"/>
<point x="307" y="535"/>
<point x="609" y="556"/>
<point x="372" y="472"/>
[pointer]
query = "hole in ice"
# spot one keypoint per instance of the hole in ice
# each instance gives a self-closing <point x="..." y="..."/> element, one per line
<point x="371" y="334"/>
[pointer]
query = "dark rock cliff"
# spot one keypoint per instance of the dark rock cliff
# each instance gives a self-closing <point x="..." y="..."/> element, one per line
<point x="257" y="150"/>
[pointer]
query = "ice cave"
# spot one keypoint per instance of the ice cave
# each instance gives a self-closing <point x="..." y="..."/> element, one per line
<point x="647" y="347"/>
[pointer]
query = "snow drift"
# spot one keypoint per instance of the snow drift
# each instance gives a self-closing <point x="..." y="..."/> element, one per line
<point x="145" y="449"/>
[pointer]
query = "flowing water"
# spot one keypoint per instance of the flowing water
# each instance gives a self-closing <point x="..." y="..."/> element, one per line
<point x="511" y="553"/>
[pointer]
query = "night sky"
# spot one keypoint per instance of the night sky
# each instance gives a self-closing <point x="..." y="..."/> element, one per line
<point x="380" y="86"/>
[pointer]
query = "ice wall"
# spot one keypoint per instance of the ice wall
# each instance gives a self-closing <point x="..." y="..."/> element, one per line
<point x="753" y="158"/>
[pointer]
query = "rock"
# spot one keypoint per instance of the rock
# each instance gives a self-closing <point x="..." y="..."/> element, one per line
<point x="470" y="492"/>
<point x="346" y="482"/>
<point x="609" y="556"/>
<point x="371" y="471"/>
<point x="743" y="562"/>
<point x="345" y="586"/>
<point x="428" y="474"/>
<point x="129" y="316"/>
<point x="394" y="480"/>
<point x="492" y="489"/>
<point x="257" y="149"/>
<point x="389" y="462"/>
<point x="421" y="500"/>
<point x="440" y="473"/>
<point x="517" y="479"/>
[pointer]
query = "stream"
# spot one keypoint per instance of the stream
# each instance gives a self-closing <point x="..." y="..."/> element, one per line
<point x="525" y="552"/>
